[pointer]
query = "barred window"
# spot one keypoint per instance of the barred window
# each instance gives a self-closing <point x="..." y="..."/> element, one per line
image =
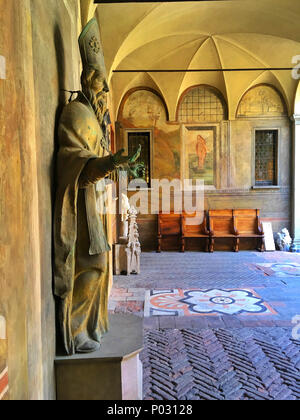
<point x="202" y="104"/>
<point x="266" y="146"/>
<point x="134" y="140"/>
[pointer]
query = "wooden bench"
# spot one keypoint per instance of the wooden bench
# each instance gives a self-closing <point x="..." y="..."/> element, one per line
<point x="169" y="225"/>
<point x="248" y="225"/>
<point x="194" y="226"/>
<point x="221" y="225"/>
<point x="235" y="224"/>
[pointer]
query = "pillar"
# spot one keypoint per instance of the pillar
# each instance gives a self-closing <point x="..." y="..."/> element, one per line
<point x="296" y="186"/>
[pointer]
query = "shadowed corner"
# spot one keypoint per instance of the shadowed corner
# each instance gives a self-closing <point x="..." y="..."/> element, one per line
<point x="61" y="96"/>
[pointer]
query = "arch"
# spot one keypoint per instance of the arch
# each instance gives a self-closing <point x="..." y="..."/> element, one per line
<point x="270" y="105"/>
<point x="136" y="89"/>
<point x="211" y="89"/>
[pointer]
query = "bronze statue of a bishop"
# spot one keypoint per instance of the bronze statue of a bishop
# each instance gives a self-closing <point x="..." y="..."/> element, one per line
<point x="80" y="233"/>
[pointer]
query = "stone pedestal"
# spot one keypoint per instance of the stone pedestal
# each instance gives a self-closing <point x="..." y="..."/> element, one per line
<point x="120" y="259"/>
<point x="112" y="373"/>
<point x="128" y="251"/>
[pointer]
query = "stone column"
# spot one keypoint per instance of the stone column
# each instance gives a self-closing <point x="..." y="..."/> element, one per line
<point x="296" y="186"/>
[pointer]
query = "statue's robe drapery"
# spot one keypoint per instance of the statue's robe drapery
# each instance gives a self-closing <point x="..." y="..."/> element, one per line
<point x="80" y="236"/>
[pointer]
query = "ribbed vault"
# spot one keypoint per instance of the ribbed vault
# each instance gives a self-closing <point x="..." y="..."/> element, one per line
<point x="208" y="34"/>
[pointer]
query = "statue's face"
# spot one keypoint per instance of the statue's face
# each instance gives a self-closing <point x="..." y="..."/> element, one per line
<point x="99" y="83"/>
<point x="95" y="87"/>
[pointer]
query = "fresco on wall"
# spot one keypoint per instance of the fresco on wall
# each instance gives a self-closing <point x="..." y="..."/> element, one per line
<point x="144" y="110"/>
<point x="261" y="101"/>
<point x="200" y="152"/>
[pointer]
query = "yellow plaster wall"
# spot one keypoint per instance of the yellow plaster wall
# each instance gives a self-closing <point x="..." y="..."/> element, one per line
<point x="39" y="43"/>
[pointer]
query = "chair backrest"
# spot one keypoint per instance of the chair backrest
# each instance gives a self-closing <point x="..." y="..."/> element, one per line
<point x="246" y="220"/>
<point x="169" y="224"/>
<point x="221" y="221"/>
<point x="195" y="223"/>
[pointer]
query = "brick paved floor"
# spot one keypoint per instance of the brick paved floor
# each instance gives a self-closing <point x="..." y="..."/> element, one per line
<point x="218" y="357"/>
<point x="221" y="364"/>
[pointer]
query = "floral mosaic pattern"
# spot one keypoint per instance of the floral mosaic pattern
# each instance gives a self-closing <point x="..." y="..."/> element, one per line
<point x="178" y="302"/>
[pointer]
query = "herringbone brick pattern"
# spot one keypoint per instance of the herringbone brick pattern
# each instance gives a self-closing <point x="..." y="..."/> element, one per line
<point x="221" y="364"/>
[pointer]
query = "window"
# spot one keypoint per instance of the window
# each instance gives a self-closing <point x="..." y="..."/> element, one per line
<point x="266" y="146"/>
<point x="202" y="104"/>
<point x="134" y="140"/>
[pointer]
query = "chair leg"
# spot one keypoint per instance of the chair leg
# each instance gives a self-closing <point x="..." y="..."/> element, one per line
<point x="211" y="245"/>
<point x="158" y="245"/>
<point x="261" y="247"/>
<point x="236" y="245"/>
<point x="182" y="244"/>
<point x="207" y="245"/>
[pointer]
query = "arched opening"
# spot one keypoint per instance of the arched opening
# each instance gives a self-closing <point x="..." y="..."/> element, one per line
<point x="297" y="101"/>
<point x="143" y="118"/>
<point x="142" y="88"/>
<point x="262" y="101"/>
<point x="296" y="173"/>
<point x="200" y="104"/>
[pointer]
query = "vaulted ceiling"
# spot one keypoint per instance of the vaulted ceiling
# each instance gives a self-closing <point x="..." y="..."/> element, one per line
<point x="205" y="35"/>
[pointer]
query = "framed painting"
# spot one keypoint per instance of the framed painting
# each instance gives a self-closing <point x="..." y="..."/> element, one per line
<point x="200" y="154"/>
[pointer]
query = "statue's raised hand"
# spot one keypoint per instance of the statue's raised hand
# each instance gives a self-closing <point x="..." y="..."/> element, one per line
<point x="137" y="170"/>
<point x="122" y="160"/>
<point x="135" y="157"/>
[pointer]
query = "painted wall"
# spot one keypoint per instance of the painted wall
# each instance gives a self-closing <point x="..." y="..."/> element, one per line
<point x="229" y="163"/>
<point x="143" y="109"/>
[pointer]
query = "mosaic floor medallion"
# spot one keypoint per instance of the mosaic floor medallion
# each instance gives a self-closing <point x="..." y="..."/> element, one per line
<point x="177" y="302"/>
<point x="280" y="269"/>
